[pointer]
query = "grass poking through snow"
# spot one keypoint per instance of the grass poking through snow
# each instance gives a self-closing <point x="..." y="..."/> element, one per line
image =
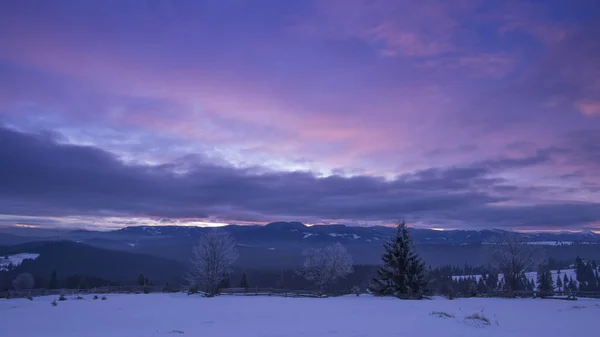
<point x="479" y="317"/>
<point x="441" y="314"/>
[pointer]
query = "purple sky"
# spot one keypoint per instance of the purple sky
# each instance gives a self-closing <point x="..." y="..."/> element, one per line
<point x="452" y="114"/>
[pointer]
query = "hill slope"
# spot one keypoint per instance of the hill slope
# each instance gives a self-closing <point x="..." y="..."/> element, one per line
<point x="69" y="258"/>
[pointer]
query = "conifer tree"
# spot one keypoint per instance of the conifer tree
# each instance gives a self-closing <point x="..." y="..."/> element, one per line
<point x="403" y="272"/>
<point x="141" y="280"/>
<point x="559" y="283"/>
<point x="225" y="282"/>
<point x="531" y="285"/>
<point x="244" y="281"/>
<point x="82" y="283"/>
<point x="579" y="269"/>
<point x="572" y="285"/>
<point x="53" y="283"/>
<point x="492" y="282"/>
<point x="544" y="281"/>
<point x="481" y="288"/>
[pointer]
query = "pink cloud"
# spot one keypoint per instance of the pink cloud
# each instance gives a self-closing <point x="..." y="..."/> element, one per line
<point x="546" y="32"/>
<point x="394" y="27"/>
<point x="337" y="113"/>
<point x="589" y="108"/>
<point x="477" y="65"/>
<point x="398" y="42"/>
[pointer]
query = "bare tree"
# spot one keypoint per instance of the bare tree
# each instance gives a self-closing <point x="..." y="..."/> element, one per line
<point x="513" y="257"/>
<point x="322" y="266"/>
<point x="210" y="261"/>
<point x="24" y="281"/>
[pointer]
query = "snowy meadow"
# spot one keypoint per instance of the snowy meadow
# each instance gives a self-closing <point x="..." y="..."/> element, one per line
<point x="151" y="315"/>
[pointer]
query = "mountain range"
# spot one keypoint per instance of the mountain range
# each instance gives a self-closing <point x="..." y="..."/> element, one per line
<point x="280" y="244"/>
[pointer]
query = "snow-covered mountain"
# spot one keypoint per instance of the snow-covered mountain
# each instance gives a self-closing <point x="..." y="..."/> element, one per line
<point x="296" y="231"/>
<point x="280" y="244"/>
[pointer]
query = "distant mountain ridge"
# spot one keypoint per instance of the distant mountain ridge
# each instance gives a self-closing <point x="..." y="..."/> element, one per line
<point x="280" y="244"/>
<point x="300" y="231"/>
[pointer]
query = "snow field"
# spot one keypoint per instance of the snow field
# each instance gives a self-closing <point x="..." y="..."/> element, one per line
<point x="152" y="315"/>
<point x="16" y="259"/>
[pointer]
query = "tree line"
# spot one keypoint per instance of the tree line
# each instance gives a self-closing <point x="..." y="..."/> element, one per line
<point x="402" y="273"/>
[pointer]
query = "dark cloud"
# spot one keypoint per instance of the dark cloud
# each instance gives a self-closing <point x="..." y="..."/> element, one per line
<point x="540" y="216"/>
<point x="40" y="176"/>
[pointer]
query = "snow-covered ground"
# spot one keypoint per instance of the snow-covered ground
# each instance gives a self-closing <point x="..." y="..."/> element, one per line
<point x="531" y="275"/>
<point x="16" y="259"/>
<point x="178" y="314"/>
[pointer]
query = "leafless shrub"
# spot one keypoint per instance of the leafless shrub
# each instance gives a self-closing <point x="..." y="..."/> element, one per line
<point x="322" y="266"/>
<point x="210" y="261"/>
<point x="24" y="281"/>
<point x="512" y="256"/>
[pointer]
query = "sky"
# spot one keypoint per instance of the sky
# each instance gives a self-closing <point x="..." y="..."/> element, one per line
<point x="448" y="114"/>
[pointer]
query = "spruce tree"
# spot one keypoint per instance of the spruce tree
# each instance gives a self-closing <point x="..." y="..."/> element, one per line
<point x="559" y="283"/>
<point x="225" y="282"/>
<point x="82" y="283"/>
<point x="403" y="272"/>
<point x="244" y="281"/>
<point x="141" y="280"/>
<point x="53" y="283"/>
<point x="531" y="285"/>
<point x="572" y="285"/>
<point x="544" y="281"/>
<point x="579" y="269"/>
<point x="492" y="282"/>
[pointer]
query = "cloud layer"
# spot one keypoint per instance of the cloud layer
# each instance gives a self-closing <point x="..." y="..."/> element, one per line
<point x="468" y="113"/>
<point x="43" y="177"/>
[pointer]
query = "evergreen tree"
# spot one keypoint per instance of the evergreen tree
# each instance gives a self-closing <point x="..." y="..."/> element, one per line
<point x="244" y="281"/>
<point x="472" y="288"/>
<point x="403" y="272"/>
<point x="531" y="285"/>
<point x="572" y="285"/>
<point x="281" y="281"/>
<point x="53" y="283"/>
<point x="579" y="269"/>
<point x="481" y="288"/>
<point x="225" y="282"/>
<point x="141" y="280"/>
<point x="492" y="282"/>
<point x="544" y="281"/>
<point x="83" y="283"/>
<point x="559" y="283"/>
<point x="566" y="282"/>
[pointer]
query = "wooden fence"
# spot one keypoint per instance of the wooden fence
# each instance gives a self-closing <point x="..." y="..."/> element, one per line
<point x="158" y="289"/>
<point x="267" y="292"/>
<point x="531" y="294"/>
<point x="67" y="292"/>
<point x="249" y="292"/>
